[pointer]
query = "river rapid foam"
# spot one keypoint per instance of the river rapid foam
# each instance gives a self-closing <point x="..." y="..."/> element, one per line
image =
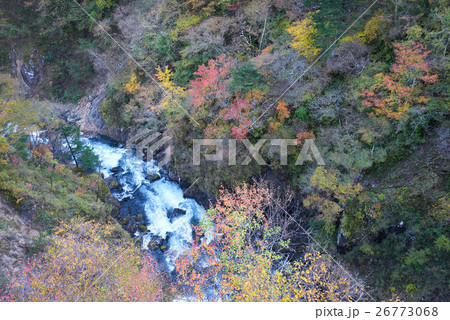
<point x="157" y="199"/>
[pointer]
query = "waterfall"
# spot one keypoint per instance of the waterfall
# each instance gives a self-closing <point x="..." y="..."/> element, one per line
<point x="158" y="200"/>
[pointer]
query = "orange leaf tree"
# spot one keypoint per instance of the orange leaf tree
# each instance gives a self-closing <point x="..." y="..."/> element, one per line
<point x="394" y="93"/>
<point x="282" y="114"/>
<point x="238" y="112"/>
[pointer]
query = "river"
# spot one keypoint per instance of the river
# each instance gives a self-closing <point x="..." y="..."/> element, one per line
<point x="144" y="188"/>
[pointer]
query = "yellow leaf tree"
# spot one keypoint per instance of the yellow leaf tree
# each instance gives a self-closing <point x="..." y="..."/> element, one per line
<point x="330" y="194"/>
<point x="15" y="110"/>
<point x="173" y="95"/>
<point x="133" y="85"/>
<point x="303" y="33"/>
<point x="86" y="261"/>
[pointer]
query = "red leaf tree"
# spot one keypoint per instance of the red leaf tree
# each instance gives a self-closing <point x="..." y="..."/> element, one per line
<point x="209" y="84"/>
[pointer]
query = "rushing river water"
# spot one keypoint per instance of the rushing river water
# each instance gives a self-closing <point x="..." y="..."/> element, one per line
<point x="156" y="199"/>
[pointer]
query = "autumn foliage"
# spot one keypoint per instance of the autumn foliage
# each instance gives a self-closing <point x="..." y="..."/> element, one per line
<point x="87" y="262"/>
<point x="303" y="33"/>
<point x="133" y="85"/>
<point x="233" y="258"/>
<point x="394" y="93"/>
<point x="330" y="194"/>
<point x="172" y="92"/>
<point x="209" y="83"/>
<point x="282" y="114"/>
<point x="4" y="149"/>
<point x="303" y="136"/>
<point x="238" y="112"/>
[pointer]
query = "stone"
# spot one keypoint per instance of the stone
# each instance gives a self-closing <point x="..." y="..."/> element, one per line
<point x="153" y="245"/>
<point x="116" y="169"/>
<point x="175" y="213"/>
<point x="131" y="226"/>
<point x="142" y="228"/>
<point x="153" y="177"/>
<point x="29" y="73"/>
<point x="194" y="220"/>
<point x="114" y="184"/>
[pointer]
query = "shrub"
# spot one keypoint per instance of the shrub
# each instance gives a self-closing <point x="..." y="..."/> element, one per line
<point x="82" y="264"/>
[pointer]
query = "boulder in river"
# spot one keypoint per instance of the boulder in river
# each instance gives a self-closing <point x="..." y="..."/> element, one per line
<point x="116" y="170"/>
<point x="153" y="177"/>
<point x="153" y="245"/>
<point x="142" y="228"/>
<point x="194" y="220"/>
<point x="112" y="182"/>
<point x="164" y="244"/>
<point x="175" y="213"/>
<point x="155" y="242"/>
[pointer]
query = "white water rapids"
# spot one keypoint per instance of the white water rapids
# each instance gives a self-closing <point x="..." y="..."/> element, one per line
<point x="156" y="198"/>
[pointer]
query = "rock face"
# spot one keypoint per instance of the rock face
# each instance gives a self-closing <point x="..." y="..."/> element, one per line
<point x="116" y="170"/>
<point x="87" y="113"/>
<point x="341" y="240"/>
<point x="29" y="71"/>
<point x="16" y="237"/>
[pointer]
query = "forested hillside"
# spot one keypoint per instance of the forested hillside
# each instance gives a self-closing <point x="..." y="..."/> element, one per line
<point x="366" y="81"/>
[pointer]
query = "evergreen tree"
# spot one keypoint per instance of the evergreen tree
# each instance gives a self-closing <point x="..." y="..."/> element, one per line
<point x="246" y="78"/>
